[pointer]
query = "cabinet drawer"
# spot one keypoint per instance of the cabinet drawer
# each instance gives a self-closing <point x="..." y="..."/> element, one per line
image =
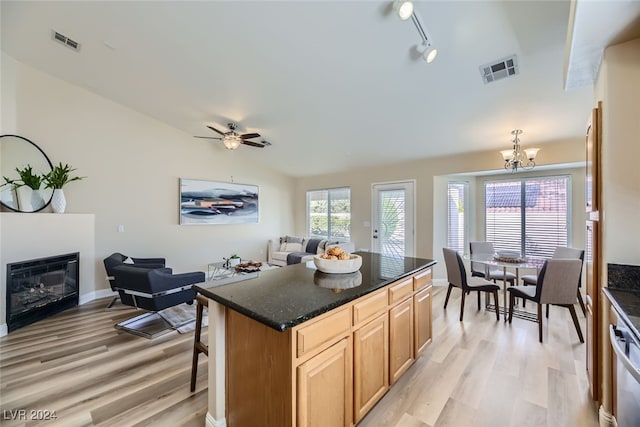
<point x="422" y="279"/>
<point x="323" y="331"/>
<point x="400" y="290"/>
<point x="369" y="307"/>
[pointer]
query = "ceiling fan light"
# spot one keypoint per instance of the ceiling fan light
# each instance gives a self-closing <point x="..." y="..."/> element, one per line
<point x="404" y="8"/>
<point x="231" y="142"/>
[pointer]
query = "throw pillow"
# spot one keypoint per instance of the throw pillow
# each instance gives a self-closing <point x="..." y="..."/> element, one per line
<point x="292" y="247"/>
<point x="128" y="261"/>
<point x="322" y="246"/>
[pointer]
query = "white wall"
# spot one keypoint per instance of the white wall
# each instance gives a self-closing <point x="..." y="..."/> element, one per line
<point x="424" y="171"/>
<point x="132" y="165"/>
<point x="618" y="87"/>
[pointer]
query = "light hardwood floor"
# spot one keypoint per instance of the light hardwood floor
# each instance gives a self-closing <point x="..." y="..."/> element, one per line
<point x="476" y="373"/>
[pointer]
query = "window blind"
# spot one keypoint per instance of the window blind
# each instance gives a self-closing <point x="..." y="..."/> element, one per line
<point x="530" y="215"/>
<point x="456" y="203"/>
<point x="329" y="214"/>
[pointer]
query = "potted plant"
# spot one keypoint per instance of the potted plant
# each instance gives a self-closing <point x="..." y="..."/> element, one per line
<point x="27" y="188"/>
<point x="234" y="260"/>
<point x="30" y="179"/>
<point x="56" y="179"/>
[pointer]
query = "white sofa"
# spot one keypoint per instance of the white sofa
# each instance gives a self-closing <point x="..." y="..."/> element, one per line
<point x="279" y="249"/>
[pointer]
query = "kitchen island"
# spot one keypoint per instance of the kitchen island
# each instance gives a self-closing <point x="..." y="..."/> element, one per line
<point x="305" y="348"/>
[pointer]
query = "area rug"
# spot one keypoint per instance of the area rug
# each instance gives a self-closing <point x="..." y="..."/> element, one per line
<point x="182" y="317"/>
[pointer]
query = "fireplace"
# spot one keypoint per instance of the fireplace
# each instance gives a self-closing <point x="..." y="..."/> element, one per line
<point x="40" y="288"/>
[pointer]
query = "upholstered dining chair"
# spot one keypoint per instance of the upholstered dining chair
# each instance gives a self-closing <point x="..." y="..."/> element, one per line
<point x="483" y="270"/>
<point x="457" y="277"/>
<point x="556" y="285"/>
<point x="561" y="252"/>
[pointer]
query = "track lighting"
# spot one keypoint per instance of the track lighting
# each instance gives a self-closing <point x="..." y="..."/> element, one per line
<point x="428" y="52"/>
<point x="404" y="8"/>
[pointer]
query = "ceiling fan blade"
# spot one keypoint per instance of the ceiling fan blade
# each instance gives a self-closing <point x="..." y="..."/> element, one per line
<point x="216" y="130"/>
<point x="249" y="135"/>
<point x="253" y="144"/>
<point x="207" y="137"/>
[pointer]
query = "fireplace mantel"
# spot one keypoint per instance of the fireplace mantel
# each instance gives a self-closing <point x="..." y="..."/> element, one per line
<point x="38" y="235"/>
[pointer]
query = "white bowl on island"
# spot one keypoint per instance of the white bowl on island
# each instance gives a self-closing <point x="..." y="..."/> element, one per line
<point x="339" y="266"/>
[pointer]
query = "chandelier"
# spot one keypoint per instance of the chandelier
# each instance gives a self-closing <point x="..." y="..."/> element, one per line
<point x="517" y="158"/>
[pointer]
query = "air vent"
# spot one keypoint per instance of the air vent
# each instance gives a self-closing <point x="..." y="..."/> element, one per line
<point x="61" y="38"/>
<point x="500" y="69"/>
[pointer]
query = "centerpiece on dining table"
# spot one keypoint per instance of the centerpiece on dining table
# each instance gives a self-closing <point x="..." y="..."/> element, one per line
<point x="336" y="261"/>
<point x="509" y="256"/>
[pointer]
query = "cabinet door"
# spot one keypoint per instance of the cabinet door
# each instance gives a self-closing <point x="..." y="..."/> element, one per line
<point x="422" y="307"/>
<point x="324" y="388"/>
<point x="400" y="339"/>
<point x="370" y="365"/>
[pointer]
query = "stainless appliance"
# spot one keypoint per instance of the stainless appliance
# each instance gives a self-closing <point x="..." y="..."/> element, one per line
<point x="627" y="351"/>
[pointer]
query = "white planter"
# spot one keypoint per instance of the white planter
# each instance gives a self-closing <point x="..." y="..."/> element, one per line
<point x="234" y="261"/>
<point x="37" y="202"/>
<point x="23" y="194"/>
<point x="58" y="201"/>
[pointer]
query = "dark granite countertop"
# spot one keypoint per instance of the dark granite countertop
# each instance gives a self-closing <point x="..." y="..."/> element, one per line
<point x="285" y="297"/>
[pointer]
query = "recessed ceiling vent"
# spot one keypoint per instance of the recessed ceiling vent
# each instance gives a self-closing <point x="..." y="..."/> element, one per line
<point x="500" y="69"/>
<point x="61" y="38"/>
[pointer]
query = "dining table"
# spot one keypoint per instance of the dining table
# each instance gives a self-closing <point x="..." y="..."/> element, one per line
<point x="494" y="261"/>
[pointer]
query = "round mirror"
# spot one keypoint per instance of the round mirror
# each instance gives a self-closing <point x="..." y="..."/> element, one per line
<point x="22" y="166"/>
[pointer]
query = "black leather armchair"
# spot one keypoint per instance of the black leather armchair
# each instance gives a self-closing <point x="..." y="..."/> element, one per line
<point x="154" y="289"/>
<point x="116" y="259"/>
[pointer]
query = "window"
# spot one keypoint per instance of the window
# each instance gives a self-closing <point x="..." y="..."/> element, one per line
<point x="329" y="214"/>
<point x="456" y="204"/>
<point x="528" y="215"/>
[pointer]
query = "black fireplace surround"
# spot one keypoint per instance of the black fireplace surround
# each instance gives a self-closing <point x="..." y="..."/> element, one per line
<point x="40" y="288"/>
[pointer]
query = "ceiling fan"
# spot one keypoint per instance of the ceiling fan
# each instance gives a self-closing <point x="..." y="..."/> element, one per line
<point x="232" y="139"/>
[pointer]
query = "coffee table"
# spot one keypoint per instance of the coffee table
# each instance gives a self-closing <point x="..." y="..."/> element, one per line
<point x="218" y="270"/>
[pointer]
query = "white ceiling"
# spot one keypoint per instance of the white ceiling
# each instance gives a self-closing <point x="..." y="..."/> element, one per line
<point x="332" y="85"/>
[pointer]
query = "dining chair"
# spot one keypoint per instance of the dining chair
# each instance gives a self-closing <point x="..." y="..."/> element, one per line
<point x="484" y="270"/>
<point x="457" y="277"/>
<point x="561" y="252"/>
<point x="556" y="285"/>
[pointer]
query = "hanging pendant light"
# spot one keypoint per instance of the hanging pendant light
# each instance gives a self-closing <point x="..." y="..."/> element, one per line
<point x="516" y="158"/>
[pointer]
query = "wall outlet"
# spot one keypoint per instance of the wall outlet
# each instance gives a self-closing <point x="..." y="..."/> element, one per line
<point x="120" y="228"/>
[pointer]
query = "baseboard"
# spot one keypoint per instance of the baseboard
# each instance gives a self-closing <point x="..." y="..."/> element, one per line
<point x="605" y="419"/>
<point x="102" y="293"/>
<point x="212" y="422"/>
<point x="3" y="330"/>
<point x="439" y="282"/>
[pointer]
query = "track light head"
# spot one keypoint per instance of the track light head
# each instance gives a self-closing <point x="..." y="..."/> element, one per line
<point x="427" y="51"/>
<point x="404" y="8"/>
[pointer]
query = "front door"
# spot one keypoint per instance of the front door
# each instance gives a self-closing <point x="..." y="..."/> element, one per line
<point x="393" y="214"/>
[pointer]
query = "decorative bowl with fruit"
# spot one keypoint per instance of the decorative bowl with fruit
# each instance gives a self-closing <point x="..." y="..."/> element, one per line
<point x="335" y="260"/>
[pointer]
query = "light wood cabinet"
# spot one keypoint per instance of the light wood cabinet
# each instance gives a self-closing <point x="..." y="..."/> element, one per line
<point x="332" y="369"/>
<point x="324" y="388"/>
<point x="400" y="339"/>
<point x="370" y="365"/>
<point x="422" y="279"/>
<point x="422" y="311"/>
